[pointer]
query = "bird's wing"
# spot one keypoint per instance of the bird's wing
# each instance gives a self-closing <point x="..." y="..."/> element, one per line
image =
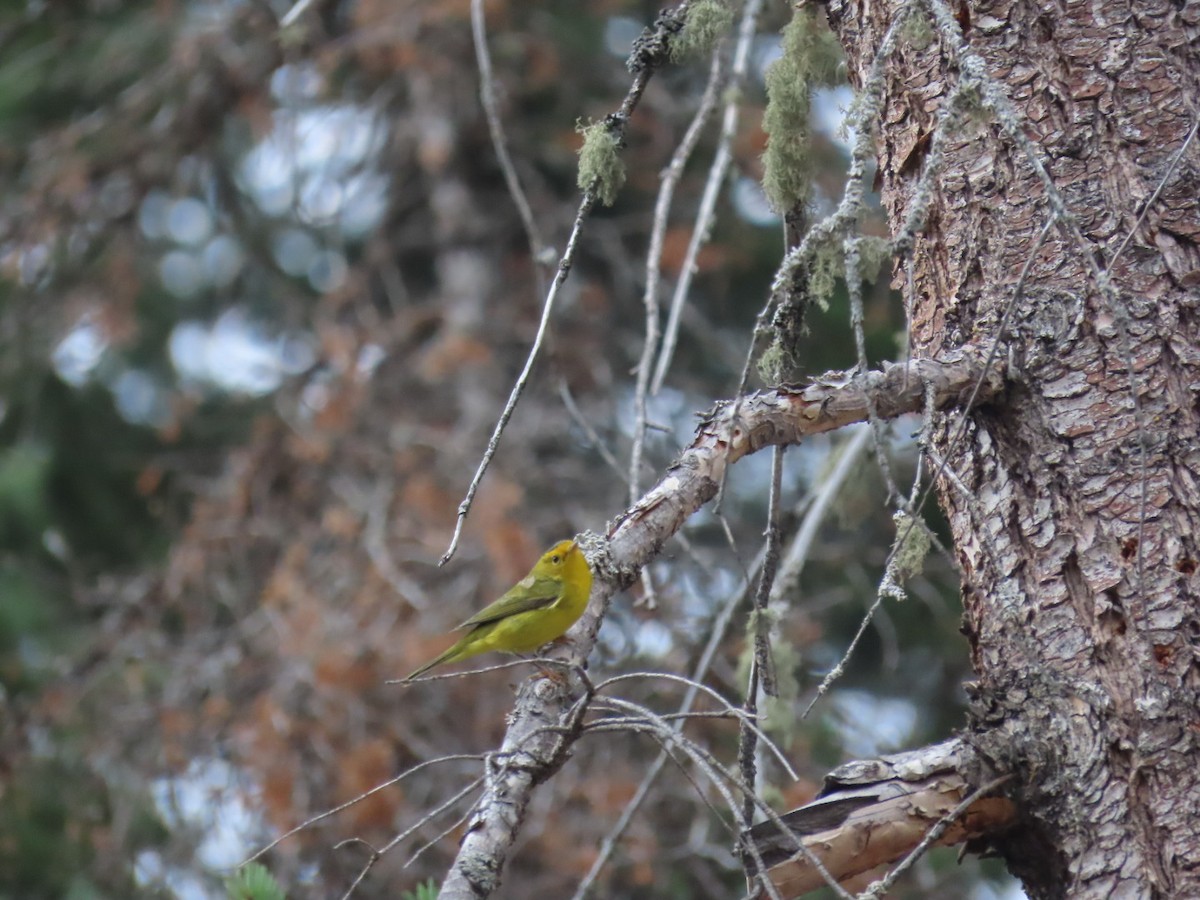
<point x="527" y="594"/>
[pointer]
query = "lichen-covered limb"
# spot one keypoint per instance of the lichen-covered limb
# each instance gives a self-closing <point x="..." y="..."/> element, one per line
<point x="539" y="737"/>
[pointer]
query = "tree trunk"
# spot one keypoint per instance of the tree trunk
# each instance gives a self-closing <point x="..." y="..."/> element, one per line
<point x="1075" y="507"/>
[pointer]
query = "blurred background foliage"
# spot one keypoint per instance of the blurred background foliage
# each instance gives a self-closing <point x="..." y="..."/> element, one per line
<point x="262" y="295"/>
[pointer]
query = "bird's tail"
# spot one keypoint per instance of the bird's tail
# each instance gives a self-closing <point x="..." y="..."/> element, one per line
<point x="448" y="656"/>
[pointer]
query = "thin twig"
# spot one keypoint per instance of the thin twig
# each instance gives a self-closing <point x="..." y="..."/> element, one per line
<point x="662" y="209"/>
<point x="838" y="670"/>
<point x="716" y="637"/>
<point x="706" y="214"/>
<point x="564" y="268"/>
<point x="434" y="841"/>
<point x="537" y="661"/>
<point x="576" y="414"/>
<point x="729" y="708"/>
<point x="719" y="776"/>
<point x="762" y="674"/>
<point x="1157" y="191"/>
<point x="431" y="815"/>
<point x="797" y="552"/>
<point x="960" y="425"/>
<point x="487" y="96"/>
<point x="878" y="888"/>
<point x="616" y="125"/>
<point x="766" y="579"/>
<point x="854" y="291"/>
<point x="474" y="757"/>
<point x="373" y="858"/>
<point x="294" y="13"/>
<point x="836" y="223"/>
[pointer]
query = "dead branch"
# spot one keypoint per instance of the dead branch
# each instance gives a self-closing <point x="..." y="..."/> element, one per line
<point x="874" y="812"/>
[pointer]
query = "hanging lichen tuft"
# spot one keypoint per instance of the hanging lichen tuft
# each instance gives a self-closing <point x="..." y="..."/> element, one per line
<point x="707" y="21"/>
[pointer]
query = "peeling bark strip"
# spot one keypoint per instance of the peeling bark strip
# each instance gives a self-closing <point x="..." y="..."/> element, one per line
<point x="1078" y="525"/>
<point x="874" y="812"/>
<point x="536" y="742"/>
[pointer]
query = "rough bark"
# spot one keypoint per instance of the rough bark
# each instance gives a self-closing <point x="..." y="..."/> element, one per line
<point x="1078" y="531"/>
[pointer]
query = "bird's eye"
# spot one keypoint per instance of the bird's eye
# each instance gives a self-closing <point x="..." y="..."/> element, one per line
<point x="555" y="559"/>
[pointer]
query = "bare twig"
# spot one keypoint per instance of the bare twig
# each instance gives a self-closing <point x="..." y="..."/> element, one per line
<point x="615" y="123"/>
<point x="1162" y="183"/>
<point x="729" y="709"/>
<point x="658" y="230"/>
<point x="854" y="291"/>
<point x="720" y="627"/>
<point x="487" y="96"/>
<point x="880" y="887"/>
<point x="378" y="853"/>
<point x="762" y="673"/>
<point x="372" y="858"/>
<point x="564" y="268"/>
<point x="373" y="504"/>
<point x="960" y="425"/>
<point x="308" y="823"/>
<point x="719" y="776"/>
<point x="766" y="579"/>
<point x="294" y="13"/>
<point x="539" y="662"/>
<point x="712" y="187"/>
<point x="798" y="550"/>
<point x="568" y="399"/>
<point x="838" y="670"/>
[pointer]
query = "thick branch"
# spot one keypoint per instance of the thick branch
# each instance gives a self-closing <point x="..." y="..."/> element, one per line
<point x="874" y="812"/>
<point x="535" y="745"/>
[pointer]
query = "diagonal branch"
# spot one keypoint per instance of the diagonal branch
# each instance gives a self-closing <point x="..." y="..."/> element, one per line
<point x="543" y="722"/>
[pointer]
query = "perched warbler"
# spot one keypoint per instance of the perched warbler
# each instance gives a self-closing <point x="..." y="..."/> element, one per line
<point x="536" y="610"/>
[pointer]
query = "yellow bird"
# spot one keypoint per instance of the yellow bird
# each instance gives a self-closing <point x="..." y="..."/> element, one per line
<point x="536" y="610"/>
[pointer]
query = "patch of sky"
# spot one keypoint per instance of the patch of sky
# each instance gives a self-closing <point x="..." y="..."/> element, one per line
<point x="182" y="273"/>
<point x="617" y="637"/>
<point x="765" y="50"/>
<point x="369" y="358"/>
<point x="317" y="163"/>
<point x="189" y="221"/>
<point x="327" y="271"/>
<point x="79" y="352"/>
<point x="206" y="800"/>
<point x="869" y="724"/>
<point x="223" y="260"/>
<point x="1007" y="890"/>
<point x="619" y="34"/>
<point x="33" y="264"/>
<point x="236" y="354"/>
<point x="652" y="640"/>
<point x="139" y="397"/>
<point x="295" y="83"/>
<point x="364" y="206"/>
<point x="751" y="203"/>
<point x="292" y="249"/>
<point x="152" y="214"/>
<point x="829" y="107"/>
